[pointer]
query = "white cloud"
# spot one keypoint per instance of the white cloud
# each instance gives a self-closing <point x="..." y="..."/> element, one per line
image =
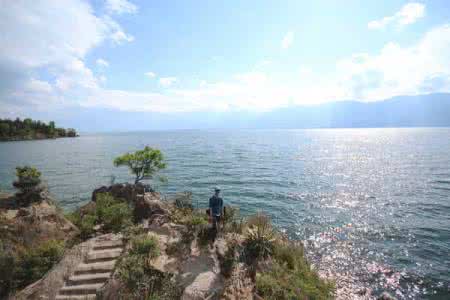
<point x="35" y="38"/>
<point x="102" y="63"/>
<point x="32" y="43"/>
<point x="115" y="31"/>
<point x="398" y="70"/>
<point x="120" y="7"/>
<point x="167" y="81"/>
<point x="408" y="14"/>
<point x="288" y="39"/>
<point x="150" y="74"/>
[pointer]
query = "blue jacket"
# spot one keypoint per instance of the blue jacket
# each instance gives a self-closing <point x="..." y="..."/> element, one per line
<point x="216" y="205"/>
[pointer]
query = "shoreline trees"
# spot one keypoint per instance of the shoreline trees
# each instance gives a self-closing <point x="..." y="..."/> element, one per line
<point x="28" y="129"/>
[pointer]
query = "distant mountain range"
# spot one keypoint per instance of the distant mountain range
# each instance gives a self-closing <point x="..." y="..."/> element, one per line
<point x="403" y="111"/>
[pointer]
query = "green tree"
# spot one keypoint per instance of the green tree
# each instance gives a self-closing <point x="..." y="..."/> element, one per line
<point x="27" y="178"/>
<point x="142" y="163"/>
<point x="4" y="129"/>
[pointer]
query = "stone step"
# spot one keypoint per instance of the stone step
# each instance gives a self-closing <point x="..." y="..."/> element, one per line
<point x="111" y="244"/>
<point x="88" y="278"/>
<point x="99" y="267"/>
<point x="76" y="297"/>
<point x="104" y="255"/>
<point x="81" y="289"/>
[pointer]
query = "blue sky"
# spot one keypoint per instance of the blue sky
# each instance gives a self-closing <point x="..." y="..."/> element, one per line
<point x="216" y="56"/>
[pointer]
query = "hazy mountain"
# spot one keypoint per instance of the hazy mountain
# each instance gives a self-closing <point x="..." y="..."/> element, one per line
<point x="404" y="111"/>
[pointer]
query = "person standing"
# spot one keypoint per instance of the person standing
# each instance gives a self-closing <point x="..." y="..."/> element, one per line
<point x="216" y="209"/>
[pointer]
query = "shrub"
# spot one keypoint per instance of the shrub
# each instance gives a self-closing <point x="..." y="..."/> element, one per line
<point x="144" y="282"/>
<point x="132" y="231"/>
<point x="205" y="234"/>
<point x="228" y="261"/>
<point x="290" y="254"/>
<point x="7" y="262"/>
<point x="33" y="263"/>
<point x="114" y="214"/>
<point x="87" y="226"/>
<point x="291" y="277"/>
<point x="197" y="225"/>
<point x="131" y="272"/>
<point x="145" y="245"/>
<point x="260" y="238"/>
<point x="230" y="214"/>
<point x="195" y="220"/>
<point x="116" y="217"/>
<point x="28" y="173"/>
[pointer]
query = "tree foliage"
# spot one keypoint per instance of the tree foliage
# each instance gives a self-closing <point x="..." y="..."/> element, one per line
<point x="28" y="129"/>
<point x="142" y="163"/>
<point x="27" y="178"/>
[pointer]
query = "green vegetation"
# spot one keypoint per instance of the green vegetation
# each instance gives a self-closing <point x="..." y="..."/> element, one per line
<point x="285" y="274"/>
<point x="113" y="215"/>
<point x="260" y="238"/>
<point x="142" y="163"/>
<point x="17" y="270"/>
<point x="29" y="129"/>
<point x="141" y="280"/>
<point x="229" y="260"/>
<point x="145" y="245"/>
<point x="297" y="281"/>
<point x="27" y="178"/>
<point x="288" y="275"/>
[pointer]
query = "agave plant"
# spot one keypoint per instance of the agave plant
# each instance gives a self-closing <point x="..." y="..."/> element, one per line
<point x="260" y="238"/>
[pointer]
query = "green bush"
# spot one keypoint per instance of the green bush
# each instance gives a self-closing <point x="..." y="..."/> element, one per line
<point x="141" y="281"/>
<point x="290" y="254"/>
<point x="145" y="245"/>
<point x="197" y="220"/>
<point x="115" y="215"/>
<point x="87" y="226"/>
<point x="229" y="260"/>
<point x="28" y="173"/>
<point x="230" y="214"/>
<point x="7" y="262"/>
<point x="260" y="238"/>
<point x="131" y="272"/>
<point x="291" y="277"/>
<point x="33" y="263"/>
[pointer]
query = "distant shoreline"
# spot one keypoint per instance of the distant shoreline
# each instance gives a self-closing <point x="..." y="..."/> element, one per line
<point x="22" y="139"/>
<point x="28" y="129"/>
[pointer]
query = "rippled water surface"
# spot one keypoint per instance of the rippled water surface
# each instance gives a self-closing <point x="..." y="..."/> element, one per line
<point x="373" y="205"/>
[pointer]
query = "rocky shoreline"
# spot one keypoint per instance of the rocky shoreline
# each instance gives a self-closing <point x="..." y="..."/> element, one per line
<point x="154" y="248"/>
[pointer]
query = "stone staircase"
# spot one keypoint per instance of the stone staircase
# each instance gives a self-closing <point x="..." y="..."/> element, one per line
<point x="95" y="271"/>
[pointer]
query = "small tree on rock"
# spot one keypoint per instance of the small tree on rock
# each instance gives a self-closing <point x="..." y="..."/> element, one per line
<point x="142" y="163"/>
<point x="28" y="182"/>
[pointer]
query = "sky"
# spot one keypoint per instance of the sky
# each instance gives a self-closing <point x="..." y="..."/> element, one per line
<point x="170" y="57"/>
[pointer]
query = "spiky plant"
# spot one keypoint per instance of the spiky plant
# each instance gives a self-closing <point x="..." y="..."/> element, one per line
<point x="260" y="238"/>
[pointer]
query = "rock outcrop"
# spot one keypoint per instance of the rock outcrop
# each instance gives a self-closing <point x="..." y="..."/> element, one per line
<point x="126" y="191"/>
<point x="31" y="225"/>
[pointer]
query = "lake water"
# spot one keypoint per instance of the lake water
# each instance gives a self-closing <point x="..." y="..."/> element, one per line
<point x="372" y="205"/>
